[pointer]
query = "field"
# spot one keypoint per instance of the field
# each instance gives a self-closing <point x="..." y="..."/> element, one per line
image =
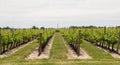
<point x="58" y="52"/>
<point x="59" y="32"/>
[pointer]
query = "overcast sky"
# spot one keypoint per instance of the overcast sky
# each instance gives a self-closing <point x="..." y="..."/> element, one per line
<point x="49" y="13"/>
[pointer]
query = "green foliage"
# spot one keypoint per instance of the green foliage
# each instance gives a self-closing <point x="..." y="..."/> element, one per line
<point x="97" y="36"/>
<point x="71" y="35"/>
<point x="17" y="36"/>
<point x="94" y="35"/>
<point x="46" y="35"/>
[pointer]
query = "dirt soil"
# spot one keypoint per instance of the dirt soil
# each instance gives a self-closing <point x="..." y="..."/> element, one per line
<point x="72" y="54"/>
<point x="45" y="54"/>
<point x="8" y="53"/>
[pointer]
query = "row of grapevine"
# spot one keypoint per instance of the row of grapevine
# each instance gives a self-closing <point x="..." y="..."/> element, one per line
<point x="43" y="39"/>
<point x="12" y="38"/>
<point x="73" y="37"/>
<point x="104" y="37"/>
<point x="108" y="38"/>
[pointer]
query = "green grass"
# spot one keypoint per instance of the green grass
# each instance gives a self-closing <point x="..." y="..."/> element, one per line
<point x="58" y="55"/>
<point x="96" y="53"/>
<point x="58" y="50"/>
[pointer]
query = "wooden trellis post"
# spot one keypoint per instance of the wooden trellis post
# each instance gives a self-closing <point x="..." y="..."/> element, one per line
<point x="118" y="43"/>
<point x="103" y="41"/>
<point x="104" y="30"/>
<point x="116" y="28"/>
<point x="0" y="42"/>
<point x="92" y="30"/>
<point x="40" y="45"/>
<point x="13" y="44"/>
<point x="78" y="44"/>
<point x="46" y="32"/>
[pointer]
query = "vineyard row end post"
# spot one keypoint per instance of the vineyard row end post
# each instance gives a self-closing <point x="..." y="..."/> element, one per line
<point x="0" y="42"/>
<point x="40" y="45"/>
<point x="79" y="38"/>
<point x="118" y="43"/>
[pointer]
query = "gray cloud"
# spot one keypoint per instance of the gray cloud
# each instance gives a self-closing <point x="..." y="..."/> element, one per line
<point x="25" y="13"/>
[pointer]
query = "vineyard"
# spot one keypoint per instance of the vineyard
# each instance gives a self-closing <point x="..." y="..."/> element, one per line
<point x="105" y="37"/>
<point x="13" y="38"/>
<point x="98" y="43"/>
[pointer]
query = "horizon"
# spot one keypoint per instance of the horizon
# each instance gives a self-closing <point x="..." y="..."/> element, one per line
<point x="59" y="27"/>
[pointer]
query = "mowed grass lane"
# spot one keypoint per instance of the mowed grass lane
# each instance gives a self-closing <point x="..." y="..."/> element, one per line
<point x="58" y="51"/>
<point x="20" y="55"/>
<point x="95" y="52"/>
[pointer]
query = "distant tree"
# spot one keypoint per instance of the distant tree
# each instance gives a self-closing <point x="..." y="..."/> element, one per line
<point x="34" y="27"/>
<point x="89" y="26"/>
<point x="42" y="28"/>
<point x="73" y="27"/>
<point x="6" y="27"/>
<point x="118" y="26"/>
<point x="92" y="26"/>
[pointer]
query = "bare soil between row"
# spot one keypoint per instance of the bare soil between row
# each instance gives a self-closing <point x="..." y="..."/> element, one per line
<point x="73" y="55"/>
<point x="45" y="54"/>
